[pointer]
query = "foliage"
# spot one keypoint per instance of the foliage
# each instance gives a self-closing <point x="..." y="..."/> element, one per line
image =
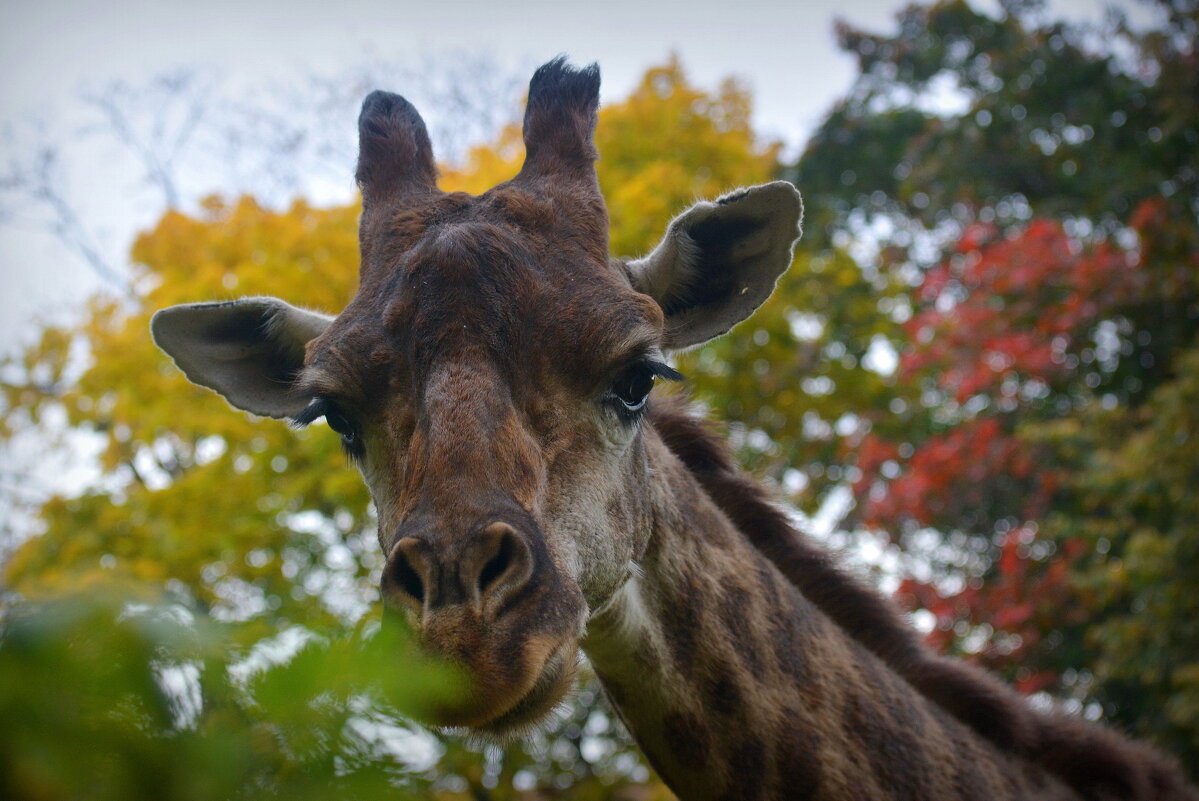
<point x="184" y="712"/>
<point x="1021" y="193"/>
<point x="254" y="533"/>
<point x="1135" y="506"/>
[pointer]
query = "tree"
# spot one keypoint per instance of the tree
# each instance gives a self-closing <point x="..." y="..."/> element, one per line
<point x="1019" y="195"/>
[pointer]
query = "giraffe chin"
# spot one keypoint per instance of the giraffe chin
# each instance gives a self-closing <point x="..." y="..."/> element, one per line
<point x="506" y="722"/>
<point x="538" y="704"/>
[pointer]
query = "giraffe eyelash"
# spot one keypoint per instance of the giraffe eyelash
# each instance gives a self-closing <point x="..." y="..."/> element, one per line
<point x="341" y="423"/>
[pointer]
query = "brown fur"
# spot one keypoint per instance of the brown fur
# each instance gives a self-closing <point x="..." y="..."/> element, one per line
<point x="1097" y="762"/>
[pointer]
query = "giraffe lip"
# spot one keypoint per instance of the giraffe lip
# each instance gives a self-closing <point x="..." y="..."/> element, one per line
<point x="554" y="680"/>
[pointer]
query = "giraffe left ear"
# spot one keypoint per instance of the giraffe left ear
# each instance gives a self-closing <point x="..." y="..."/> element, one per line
<point x="719" y="261"/>
<point x="248" y="350"/>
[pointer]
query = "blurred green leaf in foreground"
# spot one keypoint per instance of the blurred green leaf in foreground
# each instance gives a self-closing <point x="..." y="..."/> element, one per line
<point x="106" y="698"/>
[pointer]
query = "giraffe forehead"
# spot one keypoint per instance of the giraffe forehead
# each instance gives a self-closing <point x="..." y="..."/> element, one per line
<point x="465" y="281"/>
<point x="476" y="292"/>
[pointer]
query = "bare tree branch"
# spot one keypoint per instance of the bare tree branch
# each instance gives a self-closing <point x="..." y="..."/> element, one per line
<point x="38" y="185"/>
<point x="287" y="139"/>
<point x="156" y="122"/>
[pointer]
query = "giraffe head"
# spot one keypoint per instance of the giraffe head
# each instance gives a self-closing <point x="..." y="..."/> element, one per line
<point x="490" y="378"/>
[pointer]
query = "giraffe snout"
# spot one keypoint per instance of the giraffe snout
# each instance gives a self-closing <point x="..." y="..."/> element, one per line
<point x="485" y="571"/>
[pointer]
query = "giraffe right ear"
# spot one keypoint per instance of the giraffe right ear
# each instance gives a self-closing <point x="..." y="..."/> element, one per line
<point x="248" y="350"/>
<point x="719" y="261"/>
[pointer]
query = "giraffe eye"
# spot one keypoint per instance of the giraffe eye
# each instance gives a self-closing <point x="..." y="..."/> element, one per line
<point x="633" y="386"/>
<point x="339" y="421"/>
<point x="341" y="424"/>
<point x="630" y="391"/>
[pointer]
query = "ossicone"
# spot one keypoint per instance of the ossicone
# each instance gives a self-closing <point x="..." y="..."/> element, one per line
<point x="560" y="118"/>
<point x="395" y="156"/>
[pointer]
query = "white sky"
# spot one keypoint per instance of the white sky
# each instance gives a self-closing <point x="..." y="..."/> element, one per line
<point x="783" y="49"/>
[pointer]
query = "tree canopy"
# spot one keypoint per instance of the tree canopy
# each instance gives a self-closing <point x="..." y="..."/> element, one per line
<point x="1026" y="192"/>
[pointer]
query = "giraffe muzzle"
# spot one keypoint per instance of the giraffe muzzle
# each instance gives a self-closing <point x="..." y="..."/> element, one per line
<point x="492" y="603"/>
<point x="485" y="574"/>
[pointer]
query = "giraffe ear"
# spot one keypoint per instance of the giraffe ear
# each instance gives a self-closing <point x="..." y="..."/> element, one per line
<point x="719" y="261"/>
<point x="248" y="350"/>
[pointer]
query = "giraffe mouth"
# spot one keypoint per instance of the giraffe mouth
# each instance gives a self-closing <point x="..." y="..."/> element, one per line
<point x="534" y="707"/>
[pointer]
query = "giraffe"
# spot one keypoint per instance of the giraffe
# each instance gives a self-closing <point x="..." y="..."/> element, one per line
<point x="492" y="379"/>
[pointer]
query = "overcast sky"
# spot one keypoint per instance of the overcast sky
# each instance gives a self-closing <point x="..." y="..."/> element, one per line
<point x="783" y="49"/>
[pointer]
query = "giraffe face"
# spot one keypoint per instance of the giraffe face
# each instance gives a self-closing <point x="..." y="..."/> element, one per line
<point x="490" y="378"/>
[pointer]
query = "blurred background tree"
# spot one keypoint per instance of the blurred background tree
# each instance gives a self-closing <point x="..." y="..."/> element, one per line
<point x="979" y="378"/>
<point x="982" y="367"/>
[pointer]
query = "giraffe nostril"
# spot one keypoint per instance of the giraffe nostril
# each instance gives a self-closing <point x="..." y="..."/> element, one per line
<point x="408" y="581"/>
<point x="403" y="572"/>
<point x="497" y="564"/>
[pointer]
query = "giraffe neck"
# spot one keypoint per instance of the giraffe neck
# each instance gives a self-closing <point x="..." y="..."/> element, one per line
<point x="736" y="686"/>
